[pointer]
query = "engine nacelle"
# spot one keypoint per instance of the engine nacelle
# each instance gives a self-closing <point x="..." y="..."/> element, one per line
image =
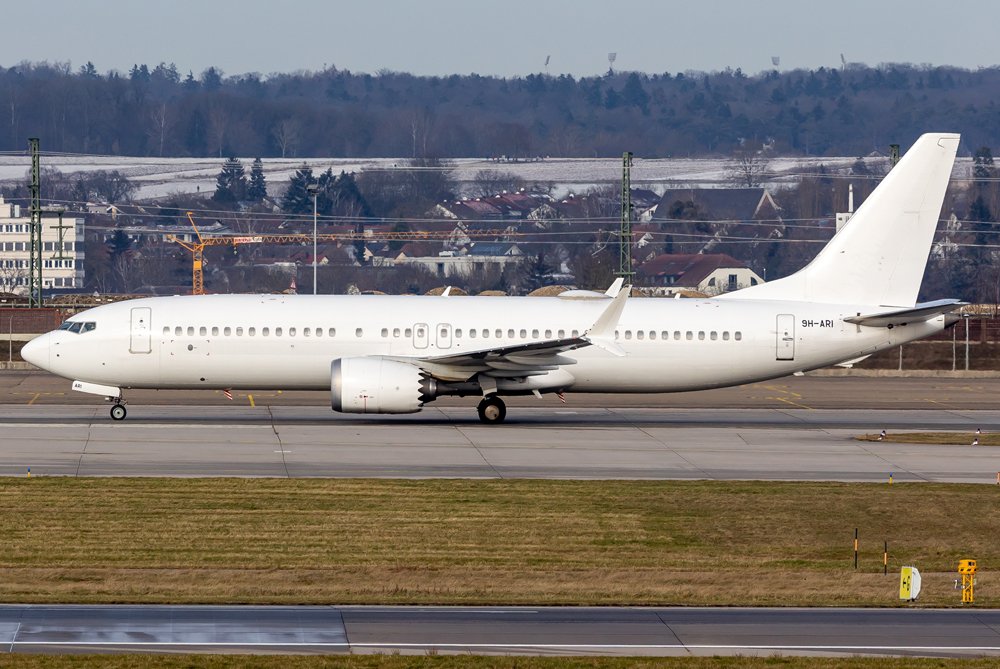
<point x="374" y="384"/>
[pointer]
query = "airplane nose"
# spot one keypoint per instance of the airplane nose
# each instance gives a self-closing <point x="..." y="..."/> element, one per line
<point x="36" y="351"/>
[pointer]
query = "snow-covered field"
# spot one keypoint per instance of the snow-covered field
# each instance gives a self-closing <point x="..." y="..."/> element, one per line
<point x="163" y="177"/>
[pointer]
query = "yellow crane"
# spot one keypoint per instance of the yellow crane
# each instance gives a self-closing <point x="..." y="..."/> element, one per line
<point x="197" y="249"/>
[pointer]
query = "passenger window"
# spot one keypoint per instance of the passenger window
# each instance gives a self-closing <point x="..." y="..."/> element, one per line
<point x="239" y="332"/>
<point x="277" y="332"/>
<point x="701" y="335"/>
<point x="306" y="332"/>
<point x="395" y="332"/>
<point x="227" y="331"/>
<point x="385" y="332"/>
<point x="576" y="334"/>
<point x="458" y="333"/>
<point x="725" y="335"/>
<point x="618" y="335"/>
<point x="652" y="334"/>
<point x="640" y="335"/>
<point x="665" y="335"/>
<point x="202" y="331"/>
<point x="561" y="334"/>
<point x="333" y="332"/>
<point x="264" y="332"/>
<point x="291" y="332"/>
<point x="166" y="331"/>
<point x="251" y="331"/>
<point x="486" y="333"/>
<point x="190" y="331"/>
<point x="319" y="332"/>
<point x="628" y="334"/>
<point x="548" y="334"/>
<point x="689" y="335"/>
<point x="510" y="334"/>
<point x="472" y="333"/>
<point x="738" y="335"/>
<point x="178" y="331"/>
<point x="714" y="335"/>
<point x="677" y="335"/>
<point x="359" y="332"/>
<point x="534" y="334"/>
<point x="215" y="331"/>
<point x="408" y="332"/>
<point x="499" y="334"/>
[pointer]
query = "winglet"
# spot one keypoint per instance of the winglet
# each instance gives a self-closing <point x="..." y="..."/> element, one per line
<point x="615" y="287"/>
<point x="602" y="333"/>
<point x="446" y="292"/>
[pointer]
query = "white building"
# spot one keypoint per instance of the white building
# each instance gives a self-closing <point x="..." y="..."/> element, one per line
<point x="62" y="267"/>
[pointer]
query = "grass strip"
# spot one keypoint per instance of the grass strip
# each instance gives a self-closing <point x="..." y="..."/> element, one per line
<point x="936" y="438"/>
<point x="478" y="662"/>
<point x="302" y="541"/>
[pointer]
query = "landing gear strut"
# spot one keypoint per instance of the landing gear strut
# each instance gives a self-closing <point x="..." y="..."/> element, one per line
<point x="118" y="411"/>
<point x="492" y="410"/>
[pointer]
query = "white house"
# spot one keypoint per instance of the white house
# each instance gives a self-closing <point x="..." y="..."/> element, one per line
<point x="62" y="257"/>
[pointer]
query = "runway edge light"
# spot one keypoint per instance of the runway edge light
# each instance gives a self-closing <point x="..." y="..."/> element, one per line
<point x="909" y="584"/>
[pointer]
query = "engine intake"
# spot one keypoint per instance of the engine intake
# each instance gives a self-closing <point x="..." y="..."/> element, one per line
<point x="373" y="384"/>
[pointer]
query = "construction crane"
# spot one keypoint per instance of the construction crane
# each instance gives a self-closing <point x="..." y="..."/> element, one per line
<point x="197" y="249"/>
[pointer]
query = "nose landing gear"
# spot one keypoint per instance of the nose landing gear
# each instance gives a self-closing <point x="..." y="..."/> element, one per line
<point x="118" y="411"/>
<point x="492" y="410"/>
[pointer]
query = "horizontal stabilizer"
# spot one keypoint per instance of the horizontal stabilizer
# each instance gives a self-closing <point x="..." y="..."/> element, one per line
<point x="917" y="314"/>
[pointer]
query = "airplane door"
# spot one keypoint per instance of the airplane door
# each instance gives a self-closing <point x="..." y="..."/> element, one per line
<point x="420" y="335"/>
<point x="785" y="337"/>
<point x="444" y="335"/>
<point x="139" y="341"/>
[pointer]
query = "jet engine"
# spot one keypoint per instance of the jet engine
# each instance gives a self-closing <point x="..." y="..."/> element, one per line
<point x="374" y="384"/>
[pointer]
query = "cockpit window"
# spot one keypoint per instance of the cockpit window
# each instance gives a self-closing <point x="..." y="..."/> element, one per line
<point x="78" y="327"/>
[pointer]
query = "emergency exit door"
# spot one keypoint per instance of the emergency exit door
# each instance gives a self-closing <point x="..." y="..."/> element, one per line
<point x="785" y="344"/>
<point x="139" y="342"/>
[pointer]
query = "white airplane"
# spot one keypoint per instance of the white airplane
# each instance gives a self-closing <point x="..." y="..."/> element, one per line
<point x="393" y="354"/>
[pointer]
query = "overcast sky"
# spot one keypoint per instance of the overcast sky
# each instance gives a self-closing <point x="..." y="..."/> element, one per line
<point x="507" y="38"/>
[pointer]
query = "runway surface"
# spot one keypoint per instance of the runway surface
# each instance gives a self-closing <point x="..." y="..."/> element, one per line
<point x="514" y="630"/>
<point x="305" y="441"/>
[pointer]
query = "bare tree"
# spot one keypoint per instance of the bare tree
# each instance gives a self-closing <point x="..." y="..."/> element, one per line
<point x="160" y="122"/>
<point x="491" y="182"/>
<point x="286" y="133"/>
<point x="747" y="168"/>
<point x="12" y="276"/>
<point x="218" y="125"/>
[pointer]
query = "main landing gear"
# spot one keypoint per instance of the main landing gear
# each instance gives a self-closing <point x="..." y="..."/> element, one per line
<point x="118" y="410"/>
<point x="492" y="410"/>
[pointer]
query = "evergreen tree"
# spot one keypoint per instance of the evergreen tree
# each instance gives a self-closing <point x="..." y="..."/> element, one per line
<point x="297" y="199"/>
<point x="537" y="273"/>
<point x="983" y="163"/>
<point x="257" y="188"/>
<point x="634" y="94"/>
<point x="231" y="184"/>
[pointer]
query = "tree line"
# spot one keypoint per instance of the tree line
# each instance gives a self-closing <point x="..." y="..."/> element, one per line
<point x="159" y="111"/>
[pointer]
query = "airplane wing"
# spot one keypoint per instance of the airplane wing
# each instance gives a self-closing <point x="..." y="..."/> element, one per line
<point x="916" y="314"/>
<point x="530" y="359"/>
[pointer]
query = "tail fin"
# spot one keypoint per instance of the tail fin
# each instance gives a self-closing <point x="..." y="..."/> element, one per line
<point x="879" y="257"/>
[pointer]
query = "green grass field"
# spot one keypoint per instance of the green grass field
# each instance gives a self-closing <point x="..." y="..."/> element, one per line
<point x="487" y="542"/>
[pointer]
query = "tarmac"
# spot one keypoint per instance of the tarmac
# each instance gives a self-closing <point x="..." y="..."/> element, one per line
<point x="500" y="631"/>
<point x="793" y="429"/>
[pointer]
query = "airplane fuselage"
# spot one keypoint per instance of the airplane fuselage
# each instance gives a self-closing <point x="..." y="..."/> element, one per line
<point x="289" y="342"/>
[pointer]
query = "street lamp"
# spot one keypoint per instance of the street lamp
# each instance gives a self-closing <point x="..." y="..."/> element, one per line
<point x="313" y="189"/>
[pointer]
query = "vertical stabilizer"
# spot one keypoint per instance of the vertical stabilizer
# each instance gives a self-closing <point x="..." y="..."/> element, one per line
<point x="879" y="257"/>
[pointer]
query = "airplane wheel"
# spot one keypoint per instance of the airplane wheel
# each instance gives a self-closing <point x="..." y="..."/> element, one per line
<point x="492" y="410"/>
<point x="118" y="412"/>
